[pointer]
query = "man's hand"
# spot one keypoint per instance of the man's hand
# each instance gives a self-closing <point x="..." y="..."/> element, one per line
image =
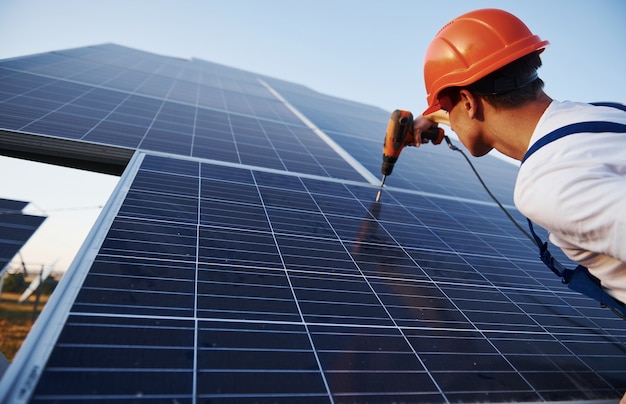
<point x="421" y="124"/>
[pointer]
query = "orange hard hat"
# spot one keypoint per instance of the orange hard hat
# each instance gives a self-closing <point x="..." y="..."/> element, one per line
<point x="473" y="45"/>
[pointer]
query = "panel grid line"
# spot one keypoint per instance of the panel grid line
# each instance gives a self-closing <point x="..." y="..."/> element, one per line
<point x="351" y="160"/>
<point x="154" y="118"/>
<point x="395" y="324"/>
<point x="195" y="292"/>
<point x="293" y="293"/>
<point x="459" y="309"/>
<point x="492" y="285"/>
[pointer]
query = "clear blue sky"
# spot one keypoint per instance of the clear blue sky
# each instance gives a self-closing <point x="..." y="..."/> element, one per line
<point x="363" y="50"/>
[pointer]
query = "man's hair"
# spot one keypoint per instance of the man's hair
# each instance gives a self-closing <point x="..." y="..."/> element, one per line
<point x="510" y="86"/>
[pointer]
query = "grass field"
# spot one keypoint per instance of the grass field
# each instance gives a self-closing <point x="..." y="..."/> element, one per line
<point x="16" y="320"/>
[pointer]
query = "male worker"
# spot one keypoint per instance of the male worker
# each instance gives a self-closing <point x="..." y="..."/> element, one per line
<point x="481" y="78"/>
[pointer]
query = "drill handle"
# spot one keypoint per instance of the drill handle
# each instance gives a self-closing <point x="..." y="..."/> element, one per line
<point x="434" y="134"/>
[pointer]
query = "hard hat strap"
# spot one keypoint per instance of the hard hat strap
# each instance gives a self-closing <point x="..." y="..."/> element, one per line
<point x="502" y="84"/>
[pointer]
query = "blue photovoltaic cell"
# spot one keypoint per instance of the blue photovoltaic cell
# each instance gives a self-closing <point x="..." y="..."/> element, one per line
<point x="243" y="260"/>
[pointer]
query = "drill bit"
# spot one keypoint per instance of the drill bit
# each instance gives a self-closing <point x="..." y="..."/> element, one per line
<point x="380" y="191"/>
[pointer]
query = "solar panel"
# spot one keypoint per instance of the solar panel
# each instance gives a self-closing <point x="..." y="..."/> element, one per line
<point x="16" y="228"/>
<point x="264" y="275"/>
<point x="237" y="121"/>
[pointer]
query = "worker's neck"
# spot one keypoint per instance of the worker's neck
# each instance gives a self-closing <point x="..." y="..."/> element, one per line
<point x="510" y="130"/>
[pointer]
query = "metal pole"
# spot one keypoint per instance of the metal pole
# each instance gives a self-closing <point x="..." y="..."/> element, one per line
<point x="38" y="294"/>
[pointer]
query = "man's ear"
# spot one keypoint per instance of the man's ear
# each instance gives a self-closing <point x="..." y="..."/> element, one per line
<point x="471" y="105"/>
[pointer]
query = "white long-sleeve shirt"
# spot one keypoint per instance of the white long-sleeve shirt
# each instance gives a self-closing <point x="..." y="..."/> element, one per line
<point x="575" y="187"/>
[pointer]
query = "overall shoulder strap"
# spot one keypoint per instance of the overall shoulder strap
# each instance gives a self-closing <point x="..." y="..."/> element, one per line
<point x="610" y="104"/>
<point x="589" y="127"/>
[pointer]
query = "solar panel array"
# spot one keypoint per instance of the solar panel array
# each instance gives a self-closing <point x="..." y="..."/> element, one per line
<point x="16" y="228"/>
<point x="242" y="258"/>
<point x="130" y="99"/>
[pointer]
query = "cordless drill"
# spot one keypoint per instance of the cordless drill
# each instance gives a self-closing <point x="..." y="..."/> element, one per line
<point x="400" y="134"/>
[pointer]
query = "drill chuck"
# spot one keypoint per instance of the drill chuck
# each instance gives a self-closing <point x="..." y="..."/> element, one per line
<point x="388" y="163"/>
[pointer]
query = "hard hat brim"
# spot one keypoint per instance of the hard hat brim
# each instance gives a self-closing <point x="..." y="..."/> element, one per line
<point x="431" y="109"/>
